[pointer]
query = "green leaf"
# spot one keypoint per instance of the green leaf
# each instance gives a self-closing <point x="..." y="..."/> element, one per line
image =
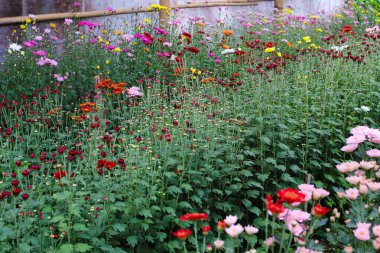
<point x="80" y="227"/>
<point x="6" y="233"/>
<point x="119" y="227"/>
<point x="320" y="223"/>
<point x="56" y="219"/>
<point x="161" y="236"/>
<point x="62" y="195"/>
<point x="146" y="213"/>
<point x="82" y="247"/>
<point x="132" y="240"/>
<point x="66" y="248"/>
<point x="25" y="247"/>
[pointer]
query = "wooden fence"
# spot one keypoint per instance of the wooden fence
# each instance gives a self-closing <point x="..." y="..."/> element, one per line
<point x="278" y="4"/>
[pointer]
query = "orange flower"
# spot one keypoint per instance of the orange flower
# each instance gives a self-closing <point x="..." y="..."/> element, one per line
<point x="207" y="80"/>
<point x="86" y="108"/>
<point x="290" y="44"/>
<point x="228" y="32"/>
<point x="226" y="46"/>
<point x="178" y="71"/>
<point x="106" y="83"/>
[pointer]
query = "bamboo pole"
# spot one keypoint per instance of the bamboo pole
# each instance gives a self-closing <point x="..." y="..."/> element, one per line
<point x="90" y="14"/>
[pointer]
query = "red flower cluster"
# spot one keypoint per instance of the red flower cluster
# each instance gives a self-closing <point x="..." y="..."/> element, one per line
<point x="109" y="165"/>
<point x="182" y="234"/>
<point x="194" y="217"/>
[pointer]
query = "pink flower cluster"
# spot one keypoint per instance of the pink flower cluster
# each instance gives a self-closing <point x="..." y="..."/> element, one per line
<point x="313" y="193"/>
<point x="134" y="92"/>
<point x="30" y="43"/>
<point x="89" y="24"/>
<point x="362" y="233"/>
<point x="234" y="230"/>
<point x="61" y="78"/>
<point x="44" y="60"/>
<point x="359" y="135"/>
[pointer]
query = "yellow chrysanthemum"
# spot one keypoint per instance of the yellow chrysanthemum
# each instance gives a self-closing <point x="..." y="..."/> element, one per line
<point x="307" y="39"/>
<point x="270" y="49"/>
<point x="148" y="21"/>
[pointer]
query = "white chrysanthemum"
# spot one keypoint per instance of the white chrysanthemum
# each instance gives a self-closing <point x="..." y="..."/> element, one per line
<point x="339" y="49"/>
<point x="228" y="51"/>
<point x="15" y="47"/>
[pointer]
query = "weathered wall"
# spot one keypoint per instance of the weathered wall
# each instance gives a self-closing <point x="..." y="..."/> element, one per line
<point x="10" y="8"/>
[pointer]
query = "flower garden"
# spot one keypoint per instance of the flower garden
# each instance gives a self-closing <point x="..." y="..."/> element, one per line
<point x="257" y="135"/>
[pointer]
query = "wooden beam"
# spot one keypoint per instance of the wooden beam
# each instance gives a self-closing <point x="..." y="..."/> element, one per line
<point x="90" y="14"/>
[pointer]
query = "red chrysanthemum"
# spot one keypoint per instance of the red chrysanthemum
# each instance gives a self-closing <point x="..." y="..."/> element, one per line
<point x="221" y="225"/>
<point x="182" y="234"/>
<point x="274" y="207"/>
<point x="194" y="217"/>
<point x="290" y="196"/>
<point x="319" y="210"/>
<point x="346" y="29"/>
<point x="206" y="230"/>
<point x="59" y="174"/>
<point x="110" y="165"/>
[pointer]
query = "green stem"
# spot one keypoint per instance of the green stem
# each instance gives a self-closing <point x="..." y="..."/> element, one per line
<point x="196" y="237"/>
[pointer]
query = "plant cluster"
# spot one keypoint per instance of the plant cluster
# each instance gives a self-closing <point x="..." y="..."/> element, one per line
<point x="190" y="116"/>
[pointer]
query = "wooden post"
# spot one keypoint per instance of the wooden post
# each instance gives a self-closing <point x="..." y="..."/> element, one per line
<point x="98" y="92"/>
<point x="163" y="17"/>
<point x="279" y="5"/>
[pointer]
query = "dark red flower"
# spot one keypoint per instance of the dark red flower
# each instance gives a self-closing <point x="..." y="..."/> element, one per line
<point x="319" y="210"/>
<point x="182" y="234"/>
<point x="16" y="191"/>
<point x="25" y="196"/>
<point x="269" y="44"/>
<point x="194" y="50"/>
<point x="290" y="196"/>
<point x="15" y="182"/>
<point x="194" y="217"/>
<point x="59" y="174"/>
